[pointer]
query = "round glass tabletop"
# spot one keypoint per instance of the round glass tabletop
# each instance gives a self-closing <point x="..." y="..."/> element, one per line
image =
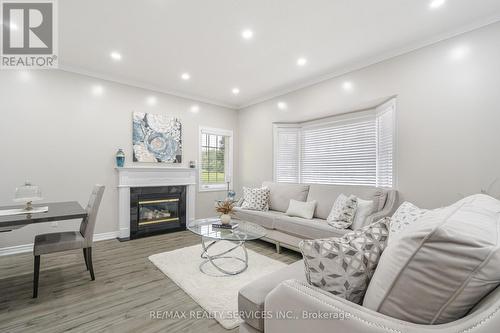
<point x="244" y="231"/>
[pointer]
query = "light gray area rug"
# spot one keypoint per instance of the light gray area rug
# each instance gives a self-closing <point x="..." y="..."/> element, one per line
<point x="218" y="295"/>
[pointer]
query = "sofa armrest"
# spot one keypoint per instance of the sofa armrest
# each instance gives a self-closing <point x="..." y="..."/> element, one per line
<point x="295" y="306"/>
<point x="309" y="309"/>
<point x="389" y="206"/>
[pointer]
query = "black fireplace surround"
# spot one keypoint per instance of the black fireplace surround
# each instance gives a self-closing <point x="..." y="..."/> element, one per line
<point x="155" y="210"/>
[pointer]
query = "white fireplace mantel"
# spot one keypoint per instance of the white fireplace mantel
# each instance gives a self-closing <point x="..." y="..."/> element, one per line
<point x="151" y="176"/>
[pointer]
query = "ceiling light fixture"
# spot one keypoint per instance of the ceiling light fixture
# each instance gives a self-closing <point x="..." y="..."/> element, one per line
<point x="282" y="106"/>
<point x="195" y="109"/>
<point x="247" y="34"/>
<point x="301" y="62"/>
<point x="235" y="91"/>
<point x="436" y="4"/>
<point x="185" y="76"/>
<point x="151" y="101"/>
<point x="459" y="52"/>
<point x="97" y="90"/>
<point x="347" y="86"/>
<point x="115" y="56"/>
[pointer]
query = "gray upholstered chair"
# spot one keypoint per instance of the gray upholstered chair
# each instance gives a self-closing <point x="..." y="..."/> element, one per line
<point x="70" y="240"/>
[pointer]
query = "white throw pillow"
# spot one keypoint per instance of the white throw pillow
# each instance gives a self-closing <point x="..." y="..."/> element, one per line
<point x="301" y="209"/>
<point x="364" y="209"/>
<point x="406" y="215"/>
<point x="256" y="198"/>
<point x="342" y="214"/>
<point x="441" y="266"/>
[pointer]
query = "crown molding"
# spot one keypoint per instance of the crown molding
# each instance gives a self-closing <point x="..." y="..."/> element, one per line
<point x="142" y="85"/>
<point x="343" y="70"/>
<point x="373" y="61"/>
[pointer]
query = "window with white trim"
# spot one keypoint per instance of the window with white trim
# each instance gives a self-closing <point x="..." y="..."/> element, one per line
<point x="352" y="149"/>
<point x="216" y="155"/>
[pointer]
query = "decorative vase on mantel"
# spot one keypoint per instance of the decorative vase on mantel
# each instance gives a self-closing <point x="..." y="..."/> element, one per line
<point x="120" y="158"/>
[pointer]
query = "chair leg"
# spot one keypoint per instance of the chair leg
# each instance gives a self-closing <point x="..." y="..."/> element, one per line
<point x="36" y="273"/>
<point x="89" y="259"/>
<point x="85" y="257"/>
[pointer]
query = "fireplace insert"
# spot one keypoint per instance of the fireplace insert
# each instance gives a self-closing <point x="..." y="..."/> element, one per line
<point x="155" y="210"/>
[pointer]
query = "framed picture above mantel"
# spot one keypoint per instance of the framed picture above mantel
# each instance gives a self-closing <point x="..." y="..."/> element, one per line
<point x="156" y="138"/>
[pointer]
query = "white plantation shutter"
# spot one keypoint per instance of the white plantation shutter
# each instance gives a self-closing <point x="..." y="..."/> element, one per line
<point x="343" y="153"/>
<point x="358" y="150"/>
<point x="286" y="160"/>
<point x="385" y="144"/>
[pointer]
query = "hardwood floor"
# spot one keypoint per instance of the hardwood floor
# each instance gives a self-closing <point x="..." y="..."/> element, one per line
<point x="127" y="287"/>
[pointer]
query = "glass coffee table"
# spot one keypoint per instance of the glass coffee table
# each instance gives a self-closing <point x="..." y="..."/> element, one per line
<point x="210" y="236"/>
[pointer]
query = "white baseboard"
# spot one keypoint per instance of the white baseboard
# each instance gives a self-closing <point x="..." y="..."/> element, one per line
<point x="5" y="251"/>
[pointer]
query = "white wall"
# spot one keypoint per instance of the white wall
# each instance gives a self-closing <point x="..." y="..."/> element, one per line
<point x="55" y="132"/>
<point x="448" y="117"/>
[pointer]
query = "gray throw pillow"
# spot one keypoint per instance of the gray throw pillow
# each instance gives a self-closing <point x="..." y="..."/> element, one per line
<point x="406" y="215"/>
<point x="343" y="212"/>
<point x="256" y="198"/>
<point x="344" y="266"/>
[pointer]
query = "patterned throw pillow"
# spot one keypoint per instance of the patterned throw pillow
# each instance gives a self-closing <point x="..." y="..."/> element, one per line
<point x="404" y="216"/>
<point x="344" y="266"/>
<point x="343" y="212"/>
<point x="256" y="198"/>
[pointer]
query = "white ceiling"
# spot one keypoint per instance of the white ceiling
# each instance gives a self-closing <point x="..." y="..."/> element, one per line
<point x="161" y="39"/>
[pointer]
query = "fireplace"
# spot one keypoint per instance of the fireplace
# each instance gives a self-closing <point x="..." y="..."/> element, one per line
<point x="155" y="210"/>
<point x="174" y="188"/>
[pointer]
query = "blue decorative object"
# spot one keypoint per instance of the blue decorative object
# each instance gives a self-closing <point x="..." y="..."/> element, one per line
<point x="120" y="158"/>
<point x="231" y="195"/>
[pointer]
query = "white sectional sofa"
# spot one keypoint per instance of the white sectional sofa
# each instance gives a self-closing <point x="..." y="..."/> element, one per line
<point x="286" y="231"/>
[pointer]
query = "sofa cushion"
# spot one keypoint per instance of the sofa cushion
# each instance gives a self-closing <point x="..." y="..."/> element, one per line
<point x="343" y="266"/>
<point x="440" y="267"/>
<point x="314" y="228"/>
<point x="281" y="194"/>
<point x="363" y="210"/>
<point x="251" y="297"/>
<point x="343" y="212"/>
<point x="405" y="215"/>
<point x="256" y="198"/>
<point x="325" y="195"/>
<point x="265" y="219"/>
<point x="301" y="209"/>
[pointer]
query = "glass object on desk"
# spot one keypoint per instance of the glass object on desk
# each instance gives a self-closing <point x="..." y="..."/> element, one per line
<point x="28" y="193"/>
<point x="120" y="158"/>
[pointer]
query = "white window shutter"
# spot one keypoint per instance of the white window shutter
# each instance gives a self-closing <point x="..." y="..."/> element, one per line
<point x="286" y="154"/>
<point x="357" y="150"/>
<point x="340" y="153"/>
<point x="385" y="144"/>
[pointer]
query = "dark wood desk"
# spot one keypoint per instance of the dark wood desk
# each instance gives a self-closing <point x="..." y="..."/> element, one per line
<point x="58" y="211"/>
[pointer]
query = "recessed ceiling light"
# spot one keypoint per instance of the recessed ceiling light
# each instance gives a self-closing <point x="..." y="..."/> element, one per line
<point x="115" y="56"/>
<point x="459" y="52"/>
<point x="195" y="109"/>
<point x="151" y="101"/>
<point x="235" y="91"/>
<point x="97" y="90"/>
<point x="301" y="61"/>
<point x="185" y="76"/>
<point x="282" y="105"/>
<point x="247" y="34"/>
<point x="347" y="85"/>
<point x="434" y="4"/>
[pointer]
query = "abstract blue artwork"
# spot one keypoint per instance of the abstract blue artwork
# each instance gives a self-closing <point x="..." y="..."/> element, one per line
<point x="156" y="138"/>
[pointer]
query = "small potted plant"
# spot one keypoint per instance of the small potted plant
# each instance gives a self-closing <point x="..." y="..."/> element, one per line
<point x="225" y="208"/>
